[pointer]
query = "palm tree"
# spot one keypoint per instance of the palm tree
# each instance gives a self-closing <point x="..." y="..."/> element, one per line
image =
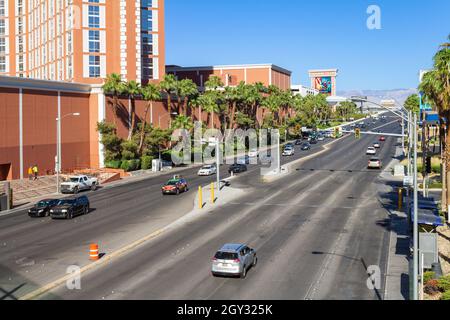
<point x="115" y="87"/>
<point x="185" y="89"/>
<point x="150" y="93"/>
<point x="169" y="85"/>
<point x="232" y="96"/>
<point x="213" y="83"/>
<point x="132" y="89"/>
<point x="209" y="103"/>
<point x="182" y="122"/>
<point x="436" y="89"/>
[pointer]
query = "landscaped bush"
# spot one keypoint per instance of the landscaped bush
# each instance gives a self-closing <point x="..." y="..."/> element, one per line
<point x="444" y="284"/>
<point x="429" y="275"/>
<point x="135" y="164"/>
<point x="125" y="165"/>
<point x="445" y="295"/>
<point x="146" y="162"/>
<point x="431" y="287"/>
<point x="114" y="164"/>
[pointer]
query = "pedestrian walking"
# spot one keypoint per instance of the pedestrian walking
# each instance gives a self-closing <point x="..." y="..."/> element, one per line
<point x="35" y="171"/>
<point x="30" y="173"/>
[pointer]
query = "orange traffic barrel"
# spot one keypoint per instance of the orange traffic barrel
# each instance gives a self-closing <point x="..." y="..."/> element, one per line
<point x="93" y="252"/>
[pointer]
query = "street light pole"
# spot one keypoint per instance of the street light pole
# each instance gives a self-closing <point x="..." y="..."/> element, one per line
<point x="416" y="224"/>
<point x="58" y="148"/>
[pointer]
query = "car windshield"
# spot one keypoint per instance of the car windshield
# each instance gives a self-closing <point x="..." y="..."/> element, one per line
<point x="226" y="255"/>
<point x="65" y="202"/>
<point x="73" y="179"/>
<point x="43" y="203"/>
<point x="172" y="183"/>
<point x="207" y="167"/>
<point x="374" y="159"/>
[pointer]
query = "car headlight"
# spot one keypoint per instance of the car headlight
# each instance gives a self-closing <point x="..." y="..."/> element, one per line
<point x="64" y="211"/>
<point x="51" y="210"/>
<point x="40" y="211"/>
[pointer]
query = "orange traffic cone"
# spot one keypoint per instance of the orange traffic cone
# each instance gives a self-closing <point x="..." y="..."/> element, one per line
<point x="93" y="252"/>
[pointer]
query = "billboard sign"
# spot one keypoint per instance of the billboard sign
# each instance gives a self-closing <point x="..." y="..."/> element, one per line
<point x="323" y="84"/>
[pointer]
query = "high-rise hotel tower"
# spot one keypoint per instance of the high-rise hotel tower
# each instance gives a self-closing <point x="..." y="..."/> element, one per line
<point x="82" y="40"/>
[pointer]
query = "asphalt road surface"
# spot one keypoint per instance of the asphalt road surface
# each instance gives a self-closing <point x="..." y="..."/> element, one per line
<point x="316" y="231"/>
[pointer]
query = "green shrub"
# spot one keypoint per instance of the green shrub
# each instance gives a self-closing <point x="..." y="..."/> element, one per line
<point x="444" y="284"/>
<point x="115" y="164"/>
<point x="135" y="164"/>
<point x="125" y="165"/>
<point x="129" y="150"/>
<point x="429" y="275"/>
<point x="446" y="295"/>
<point x="146" y="162"/>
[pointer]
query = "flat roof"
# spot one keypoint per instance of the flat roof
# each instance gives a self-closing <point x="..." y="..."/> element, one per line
<point x="44" y="85"/>
<point x="175" y="68"/>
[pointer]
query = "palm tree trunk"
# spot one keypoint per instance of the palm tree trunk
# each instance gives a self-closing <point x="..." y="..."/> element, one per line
<point x="141" y="142"/>
<point x="232" y="115"/>
<point x="133" y="118"/>
<point x="169" y="108"/>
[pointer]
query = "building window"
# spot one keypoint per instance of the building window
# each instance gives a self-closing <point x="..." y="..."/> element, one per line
<point x="2" y="8"/>
<point x="2" y="64"/>
<point x="2" y="27"/>
<point x="146" y="20"/>
<point x="2" y="45"/>
<point x="94" y="41"/>
<point x="147" y="68"/>
<point x="94" y="66"/>
<point x="94" y="16"/>
<point x="147" y="44"/>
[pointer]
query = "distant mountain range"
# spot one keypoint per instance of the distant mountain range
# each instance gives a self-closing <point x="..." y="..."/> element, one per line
<point x="377" y="95"/>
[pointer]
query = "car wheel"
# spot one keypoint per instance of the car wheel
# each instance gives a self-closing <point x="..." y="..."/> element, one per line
<point x="187" y="188"/>
<point x="244" y="273"/>
<point x="94" y="187"/>
<point x="69" y="215"/>
<point x="255" y="261"/>
<point x="178" y="191"/>
<point x="75" y="191"/>
<point x="86" y="210"/>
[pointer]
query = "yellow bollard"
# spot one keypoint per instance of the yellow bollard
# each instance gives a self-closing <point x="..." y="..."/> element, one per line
<point x="212" y="194"/>
<point x="400" y="199"/>
<point x="200" y="197"/>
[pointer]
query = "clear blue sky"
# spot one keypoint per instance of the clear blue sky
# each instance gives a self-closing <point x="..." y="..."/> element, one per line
<point x="301" y="35"/>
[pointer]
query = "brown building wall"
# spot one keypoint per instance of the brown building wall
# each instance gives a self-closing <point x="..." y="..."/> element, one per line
<point x="9" y="133"/>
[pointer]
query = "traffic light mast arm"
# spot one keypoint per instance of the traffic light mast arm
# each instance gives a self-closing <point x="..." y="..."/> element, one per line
<point x="376" y="133"/>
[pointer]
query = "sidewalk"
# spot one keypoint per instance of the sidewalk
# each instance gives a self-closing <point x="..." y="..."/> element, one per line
<point x="397" y="272"/>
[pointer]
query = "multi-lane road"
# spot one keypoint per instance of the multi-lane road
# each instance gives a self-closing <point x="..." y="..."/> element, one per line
<point x="316" y="231"/>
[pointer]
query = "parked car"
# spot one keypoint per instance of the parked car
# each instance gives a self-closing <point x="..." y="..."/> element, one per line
<point x="371" y="151"/>
<point x="70" y="208"/>
<point x="376" y="145"/>
<point x="253" y="153"/>
<point x="287" y="152"/>
<point x="208" y="170"/>
<point x="76" y="184"/>
<point x="233" y="260"/>
<point x="42" y="208"/>
<point x="237" y="168"/>
<point x="176" y="185"/>
<point x="375" y="163"/>
<point x="306" y="146"/>
<point x="243" y="160"/>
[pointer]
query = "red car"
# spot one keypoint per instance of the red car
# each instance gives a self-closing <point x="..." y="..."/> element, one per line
<point x="382" y="139"/>
<point x="175" y="186"/>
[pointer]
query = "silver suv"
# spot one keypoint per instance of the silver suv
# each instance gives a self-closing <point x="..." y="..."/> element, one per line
<point x="233" y="260"/>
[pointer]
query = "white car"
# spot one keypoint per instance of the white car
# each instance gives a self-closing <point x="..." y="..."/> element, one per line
<point x="207" y="170"/>
<point x="288" y="152"/>
<point x="376" y="145"/>
<point x="375" y="163"/>
<point x="79" y="183"/>
<point x="253" y="153"/>
<point x="371" y="151"/>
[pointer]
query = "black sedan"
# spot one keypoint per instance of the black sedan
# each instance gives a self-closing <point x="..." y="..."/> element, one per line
<point x="313" y="141"/>
<point x="42" y="208"/>
<point x="70" y="208"/>
<point x="298" y="142"/>
<point x="306" y="146"/>
<point x="237" y="168"/>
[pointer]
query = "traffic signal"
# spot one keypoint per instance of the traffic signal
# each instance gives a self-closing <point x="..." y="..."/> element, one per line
<point x="358" y="133"/>
<point x="428" y="165"/>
